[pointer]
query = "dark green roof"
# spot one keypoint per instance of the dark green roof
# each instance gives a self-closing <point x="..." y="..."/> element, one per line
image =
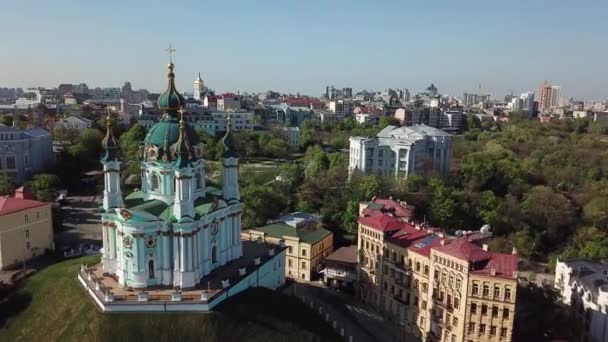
<point x="168" y="128"/>
<point x="158" y="208"/>
<point x="278" y="230"/>
<point x="171" y="100"/>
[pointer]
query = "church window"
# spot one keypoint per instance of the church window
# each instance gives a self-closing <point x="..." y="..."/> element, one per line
<point x="214" y="254"/>
<point x="151" y="269"/>
<point x="154" y="181"/>
<point x="199" y="183"/>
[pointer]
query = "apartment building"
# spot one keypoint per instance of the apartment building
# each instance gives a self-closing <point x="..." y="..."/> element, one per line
<point x="437" y="287"/>
<point x="308" y="243"/>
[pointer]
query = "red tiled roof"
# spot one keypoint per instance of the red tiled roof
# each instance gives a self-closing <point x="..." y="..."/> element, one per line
<point x="229" y="96"/>
<point x="430" y="242"/>
<point x="24" y="193"/>
<point x="407" y="236"/>
<point x="502" y="265"/>
<point x="465" y="250"/>
<point x="10" y="205"/>
<point x="398" y="209"/>
<point x="383" y="223"/>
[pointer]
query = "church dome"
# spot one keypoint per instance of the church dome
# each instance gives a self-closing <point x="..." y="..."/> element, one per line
<point x="171" y="100"/>
<point x="166" y="132"/>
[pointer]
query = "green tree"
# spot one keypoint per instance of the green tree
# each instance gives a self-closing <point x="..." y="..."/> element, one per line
<point x="388" y="121"/>
<point x="6" y="120"/>
<point x="7" y="186"/>
<point x="260" y="204"/>
<point x="596" y="212"/>
<point x="69" y="135"/>
<point x="350" y="217"/>
<point x="44" y="186"/>
<point x="129" y="147"/>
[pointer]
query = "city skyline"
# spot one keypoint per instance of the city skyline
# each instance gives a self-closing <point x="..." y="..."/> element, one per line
<point x="305" y="46"/>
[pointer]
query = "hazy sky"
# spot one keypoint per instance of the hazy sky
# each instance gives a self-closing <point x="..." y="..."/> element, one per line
<point x="302" y="46"/>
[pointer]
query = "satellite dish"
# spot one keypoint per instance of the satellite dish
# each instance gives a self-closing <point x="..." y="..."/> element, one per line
<point x="458" y="233"/>
<point x="485" y="228"/>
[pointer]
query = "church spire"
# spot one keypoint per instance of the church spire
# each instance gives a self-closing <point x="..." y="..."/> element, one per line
<point x="109" y="142"/>
<point x="183" y="149"/>
<point x="228" y="141"/>
<point x="171" y="100"/>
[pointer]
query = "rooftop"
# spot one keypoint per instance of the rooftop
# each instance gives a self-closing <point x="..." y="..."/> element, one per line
<point x="9" y="205"/>
<point x="383" y="223"/>
<point x="344" y="254"/>
<point x="308" y="235"/>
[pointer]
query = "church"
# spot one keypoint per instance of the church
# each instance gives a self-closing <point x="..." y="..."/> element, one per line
<point x="179" y="232"/>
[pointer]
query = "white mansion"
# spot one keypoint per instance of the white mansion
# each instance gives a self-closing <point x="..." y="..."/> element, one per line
<point x="401" y="151"/>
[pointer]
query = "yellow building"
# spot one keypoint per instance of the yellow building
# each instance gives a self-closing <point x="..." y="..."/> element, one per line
<point x="308" y="244"/>
<point x="437" y="287"/>
<point x="26" y="230"/>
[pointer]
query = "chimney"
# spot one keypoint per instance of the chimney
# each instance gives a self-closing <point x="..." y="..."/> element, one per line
<point x="485" y="247"/>
<point x="492" y="271"/>
<point x="514" y="251"/>
<point x="442" y="242"/>
<point x="441" y="235"/>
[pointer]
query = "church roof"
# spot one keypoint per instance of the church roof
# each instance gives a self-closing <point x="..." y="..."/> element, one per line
<point x="202" y="206"/>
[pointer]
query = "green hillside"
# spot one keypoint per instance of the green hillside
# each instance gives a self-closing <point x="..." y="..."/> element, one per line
<point x="60" y="310"/>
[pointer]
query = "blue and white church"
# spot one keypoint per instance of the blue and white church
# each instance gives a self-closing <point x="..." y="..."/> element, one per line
<point x="178" y="228"/>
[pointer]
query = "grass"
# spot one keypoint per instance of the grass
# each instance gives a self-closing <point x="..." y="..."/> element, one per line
<point x="60" y="310"/>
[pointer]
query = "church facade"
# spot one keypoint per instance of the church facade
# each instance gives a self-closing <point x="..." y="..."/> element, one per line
<point x="177" y="229"/>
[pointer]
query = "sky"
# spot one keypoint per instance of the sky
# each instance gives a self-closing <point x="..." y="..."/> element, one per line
<point x="302" y="46"/>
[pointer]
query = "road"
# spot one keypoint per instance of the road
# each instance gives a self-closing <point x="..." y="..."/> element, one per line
<point x="81" y="221"/>
<point x="363" y="323"/>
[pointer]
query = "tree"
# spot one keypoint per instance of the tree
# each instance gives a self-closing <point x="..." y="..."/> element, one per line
<point x="129" y="147"/>
<point x="350" y="217"/>
<point x="44" y="186"/>
<point x="7" y="186"/>
<point x="69" y="135"/>
<point x="260" y="204"/>
<point x="388" y="121"/>
<point x="6" y="120"/>
<point x="549" y="213"/>
<point x="596" y="212"/>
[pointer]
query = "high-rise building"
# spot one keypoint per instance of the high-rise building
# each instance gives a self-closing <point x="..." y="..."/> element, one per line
<point x="548" y="97"/>
<point x="470" y="99"/>
<point x="347" y="93"/>
<point x="437" y="287"/>
<point x="199" y="88"/>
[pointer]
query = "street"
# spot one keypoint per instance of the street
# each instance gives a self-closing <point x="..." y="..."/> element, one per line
<point x="81" y="222"/>
<point x="357" y="319"/>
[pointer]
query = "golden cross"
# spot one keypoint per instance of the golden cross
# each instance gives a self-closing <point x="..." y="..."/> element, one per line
<point x="170" y="50"/>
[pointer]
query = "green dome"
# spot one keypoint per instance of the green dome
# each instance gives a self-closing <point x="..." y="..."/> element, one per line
<point x="171" y="100"/>
<point x="169" y="128"/>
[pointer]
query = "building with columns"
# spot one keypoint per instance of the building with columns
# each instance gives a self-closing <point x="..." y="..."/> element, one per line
<point x="199" y="88"/>
<point x="401" y="151"/>
<point x="177" y="233"/>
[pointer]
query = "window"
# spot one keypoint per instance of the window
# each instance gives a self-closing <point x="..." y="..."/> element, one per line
<point x="154" y="182"/>
<point x="290" y="262"/>
<point x="290" y="250"/>
<point x="423" y="306"/>
<point x="503" y="332"/>
<point x="303" y="265"/>
<point x="426" y="270"/>
<point x="213" y="255"/>
<point x="505" y="313"/>
<point x="456" y="303"/>
<point x="26" y="218"/>
<point x="27" y="245"/>
<point x="507" y="293"/>
<point x="10" y="162"/>
<point x="493" y="330"/>
<point x="486" y="290"/>
<point x="27" y="233"/>
<point x="455" y="321"/>
<point x="496" y="292"/>
<point x="199" y="184"/>
<point x="471" y="327"/>
<point x="482" y="328"/>
<point x="484" y="309"/>
<point x="494" y="311"/>
<point x="475" y="289"/>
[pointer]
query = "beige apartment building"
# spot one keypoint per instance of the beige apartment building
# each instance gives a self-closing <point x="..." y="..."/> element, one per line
<point x="307" y="242"/>
<point x="26" y="230"/>
<point x="438" y="287"/>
